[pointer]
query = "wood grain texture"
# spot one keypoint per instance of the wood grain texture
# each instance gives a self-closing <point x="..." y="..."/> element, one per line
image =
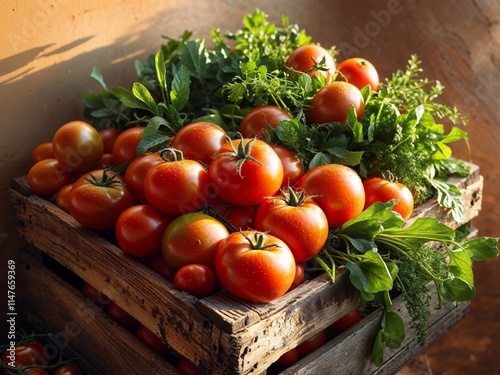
<point x="220" y="333"/>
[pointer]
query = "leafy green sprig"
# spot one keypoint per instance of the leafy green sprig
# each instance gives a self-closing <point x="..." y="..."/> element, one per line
<point x="383" y="257"/>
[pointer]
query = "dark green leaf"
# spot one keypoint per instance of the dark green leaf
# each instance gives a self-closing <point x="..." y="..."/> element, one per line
<point x="194" y="59"/>
<point x="393" y="330"/>
<point x="421" y="231"/>
<point x="456" y="289"/>
<point x="377" y="355"/>
<point x="481" y="248"/>
<point x="142" y="93"/>
<point x="179" y="95"/>
<point x="369" y="273"/>
<point x="154" y="125"/>
<point x="128" y="98"/>
<point x="151" y="141"/>
<point x="460" y="265"/>
<point x="97" y="76"/>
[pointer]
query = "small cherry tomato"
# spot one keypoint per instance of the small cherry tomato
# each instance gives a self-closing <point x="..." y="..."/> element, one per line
<point x="42" y="151"/>
<point x="360" y="72"/>
<point x="186" y="367"/>
<point x="332" y="103"/>
<point x="313" y="60"/>
<point x="62" y="197"/>
<point x="67" y="370"/>
<point x="299" y="276"/>
<point x="26" y="354"/>
<point x="380" y="190"/>
<point x="260" y="118"/>
<point x="139" y="230"/>
<point x="95" y="296"/>
<point x="196" y="279"/>
<point x="78" y="146"/>
<point x="47" y="177"/>
<point x="288" y="358"/>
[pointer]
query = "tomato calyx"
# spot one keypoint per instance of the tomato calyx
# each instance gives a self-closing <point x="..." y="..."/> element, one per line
<point x="242" y="153"/>
<point x="106" y="180"/>
<point x="171" y="154"/>
<point x="294" y="197"/>
<point x="258" y="241"/>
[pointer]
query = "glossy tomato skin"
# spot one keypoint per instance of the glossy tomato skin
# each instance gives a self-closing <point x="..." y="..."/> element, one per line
<point x="26" y="354"/>
<point x="332" y="103"/>
<point x="42" y="151"/>
<point x="255" y="275"/>
<point x="257" y="179"/>
<point x="192" y="238"/>
<point x="258" y="119"/>
<point x="293" y="169"/>
<point x="196" y="279"/>
<point x="381" y="190"/>
<point x="199" y="141"/>
<point x="98" y="207"/>
<point x="360" y="72"/>
<point x="109" y="136"/>
<point x="337" y="189"/>
<point x="136" y="173"/>
<point x="47" y="177"/>
<point x="304" y="59"/>
<point x="177" y="187"/>
<point x="139" y="230"/>
<point x="125" y="145"/>
<point x="345" y="322"/>
<point x="151" y="340"/>
<point x="36" y="371"/>
<point x="288" y="358"/>
<point x="303" y="228"/>
<point x="300" y="274"/>
<point x="78" y="146"/>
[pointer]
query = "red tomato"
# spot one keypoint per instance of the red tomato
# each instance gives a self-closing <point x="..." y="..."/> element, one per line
<point x="299" y="276"/>
<point x="295" y="219"/>
<point x="151" y="340"/>
<point x="78" y="146"/>
<point x="246" y="171"/>
<point x="62" y="197"/>
<point x="122" y="317"/>
<point x="260" y="118"/>
<point x="332" y="103"/>
<point x="238" y="217"/>
<point x="192" y="238"/>
<point x="186" y="367"/>
<point x="288" y="358"/>
<point x="95" y="296"/>
<point x="107" y="161"/>
<point x="42" y="151"/>
<point x="199" y="141"/>
<point x="139" y="230"/>
<point x="26" y="354"/>
<point x="311" y="344"/>
<point x="337" y="189"/>
<point x="98" y="198"/>
<point x="36" y="371"/>
<point x="125" y="146"/>
<point x="109" y="136"/>
<point x="196" y="279"/>
<point x="158" y="264"/>
<point x="47" y="177"/>
<point x="380" y="190"/>
<point x="308" y="59"/>
<point x="255" y="266"/>
<point x="177" y="187"/>
<point x="67" y="370"/>
<point x="293" y="169"/>
<point x="360" y="72"/>
<point x="136" y="172"/>
<point x="345" y="322"/>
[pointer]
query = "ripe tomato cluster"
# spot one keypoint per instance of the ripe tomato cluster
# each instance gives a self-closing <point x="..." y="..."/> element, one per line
<point x="31" y="356"/>
<point x="214" y="212"/>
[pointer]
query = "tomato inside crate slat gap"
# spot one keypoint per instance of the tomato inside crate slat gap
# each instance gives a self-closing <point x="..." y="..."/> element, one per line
<point x="194" y="112"/>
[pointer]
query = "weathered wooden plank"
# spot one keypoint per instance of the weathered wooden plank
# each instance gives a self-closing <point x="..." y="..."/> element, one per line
<point x="80" y="327"/>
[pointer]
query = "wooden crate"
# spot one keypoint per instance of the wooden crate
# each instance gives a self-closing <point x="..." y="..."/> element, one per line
<point x="220" y="333"/>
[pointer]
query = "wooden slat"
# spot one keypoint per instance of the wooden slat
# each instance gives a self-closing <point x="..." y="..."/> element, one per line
<point x="79" y="327"/>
